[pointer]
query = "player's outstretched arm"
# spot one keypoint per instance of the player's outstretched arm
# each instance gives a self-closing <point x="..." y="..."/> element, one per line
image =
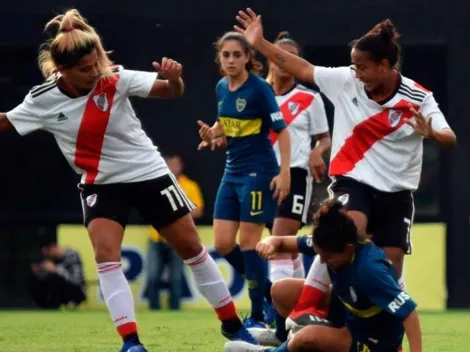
<point x="272" y="245"/>
<point x="252" y="29"/>
<point x="172" y="86"/>
<point x="413" y="332"/>
<point x="5" y="124"/>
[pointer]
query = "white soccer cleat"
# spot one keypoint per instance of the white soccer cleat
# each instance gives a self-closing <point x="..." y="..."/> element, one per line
<point x="242" y="346"/>
<point x="265" y="337"/>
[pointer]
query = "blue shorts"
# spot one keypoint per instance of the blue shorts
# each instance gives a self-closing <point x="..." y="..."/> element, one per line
<point x="363" y="343"/>
<point x="245" y="198"/>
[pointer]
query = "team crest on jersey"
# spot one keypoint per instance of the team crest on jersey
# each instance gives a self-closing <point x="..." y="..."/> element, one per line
<point x="353" y="294"/>
<point x="293" y="107"/>
<point x="240" y="104"/>
<point x="91" y="200"/>
<point x="101" y="101"/>
<point x="344" y="198"/>
<point x="394" y="117"/>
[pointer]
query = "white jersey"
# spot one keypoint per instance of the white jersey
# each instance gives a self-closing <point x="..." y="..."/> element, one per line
<point x="305" y="116"/>
<point x="371" y="142"/>
<point x="99" y="134"/>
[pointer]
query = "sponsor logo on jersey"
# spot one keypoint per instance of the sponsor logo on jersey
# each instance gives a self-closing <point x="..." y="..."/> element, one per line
<point x="394" y="117"/>
<point x="61" y="117"/>
<point x="101" y="101"/>
<point x="398" y="302"/>
<point x="91" y="200"/>
<point x="276" y="116"/>
<point x="240" y="104"/>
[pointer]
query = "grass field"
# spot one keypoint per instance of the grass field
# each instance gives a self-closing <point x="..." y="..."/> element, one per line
<point x="173" y="332"/>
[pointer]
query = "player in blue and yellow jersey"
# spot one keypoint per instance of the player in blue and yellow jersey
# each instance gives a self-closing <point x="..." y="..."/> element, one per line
<point x="253" y="183"/>
<point x="368" y="310"/>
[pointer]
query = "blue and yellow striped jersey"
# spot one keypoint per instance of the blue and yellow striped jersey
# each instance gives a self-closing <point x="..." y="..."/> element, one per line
<point x="246" y="116"/>
<point x="366" y="295"/>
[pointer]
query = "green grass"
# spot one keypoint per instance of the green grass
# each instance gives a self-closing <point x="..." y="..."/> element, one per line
<point x="173" y="332"/>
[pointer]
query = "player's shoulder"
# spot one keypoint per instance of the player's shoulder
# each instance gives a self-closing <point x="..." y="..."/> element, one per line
<point x="413" y="90"/>
<point x="370" y="257"/>
<point x="222" y="85"/>
<point x="259" y="82"/>
<point x="42" y="92"/>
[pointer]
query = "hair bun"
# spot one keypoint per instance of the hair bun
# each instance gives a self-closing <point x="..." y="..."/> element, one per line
<point x="387" y="30"/>
<point x="283" y="35"/>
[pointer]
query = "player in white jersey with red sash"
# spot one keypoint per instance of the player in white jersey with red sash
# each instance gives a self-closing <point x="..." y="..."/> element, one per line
<point x="381" y="119"/>
<point x="85" y="104"/>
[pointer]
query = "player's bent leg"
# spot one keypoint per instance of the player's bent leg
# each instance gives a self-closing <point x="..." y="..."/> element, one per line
<point x="106" y="236"/>
<point x="320" y="338"/>
<point x="183" y="237"/>
<point x="282" y="266"/>
<point x="360" y="220"/>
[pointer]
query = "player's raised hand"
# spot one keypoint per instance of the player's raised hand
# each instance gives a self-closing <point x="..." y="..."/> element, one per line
<point x="205" y="132"/>
<point x="317" y="166"/>
<point x="281" y="186"/>
<point x="169" y="69"/>
<point x="266" y="249"/>
<point x="251" y="26"/>
<point x="421" y="125"/>
<point x="219" y="142"/>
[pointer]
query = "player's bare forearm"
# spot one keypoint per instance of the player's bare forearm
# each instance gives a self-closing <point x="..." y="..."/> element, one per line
<point x="413" y="332"/>
<point x="167" y="88"/>
<point x="5" y="124"/>
<point x="287" y="244"/>
<point x="284" y="150"/>
<point x="295" y="65"/>
<point x="323" y="144"/>
<point x="445" y="137"/>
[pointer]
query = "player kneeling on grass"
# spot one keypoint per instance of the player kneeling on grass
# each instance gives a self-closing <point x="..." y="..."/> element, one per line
<point x="368" y="311"/>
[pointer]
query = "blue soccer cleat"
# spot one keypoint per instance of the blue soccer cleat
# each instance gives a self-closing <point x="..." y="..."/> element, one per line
<point x="241" y="335"/>
<point x="269" y="313"/>
<point x="133" y="346"/>
<point x="252" y="323"/>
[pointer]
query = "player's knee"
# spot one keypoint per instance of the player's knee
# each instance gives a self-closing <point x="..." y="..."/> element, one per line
<point x="284" y="295"/>
<point x="106" y="251"/>
<point x="223" y="246"/>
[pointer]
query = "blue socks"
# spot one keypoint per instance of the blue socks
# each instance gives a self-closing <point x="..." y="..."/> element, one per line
<point x="235" y="258"/>
<point x="255" y="273"/>
<point x="281" y="332"/>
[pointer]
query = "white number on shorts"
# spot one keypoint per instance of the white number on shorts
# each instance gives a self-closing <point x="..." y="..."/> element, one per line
<point x="171" y="193"/>
<point x="298" y="204"/>
<point x="408" y="230"/>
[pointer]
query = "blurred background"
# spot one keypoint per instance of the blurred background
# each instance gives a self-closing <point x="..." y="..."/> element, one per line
<point x="38" y="193"/>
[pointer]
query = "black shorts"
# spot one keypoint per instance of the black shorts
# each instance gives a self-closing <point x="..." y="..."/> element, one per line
<point x="160" y="201"/>
<point x="298" y="204"/>
<point x="390" y="214"/>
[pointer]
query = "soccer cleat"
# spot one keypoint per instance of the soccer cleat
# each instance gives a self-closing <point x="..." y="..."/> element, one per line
<point x="265" y="337"/>
<point x="252" y="323"/>
<point x="241" y="335"/>
<point x="297" y="321"/>
<point x="133" y="348"/>
<point x="269" y="313"/>
<point x="240" y="346"/>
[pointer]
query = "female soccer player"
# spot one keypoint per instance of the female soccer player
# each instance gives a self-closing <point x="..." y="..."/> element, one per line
<point x="84" y="104"/>
<point x="369" y="311"/>
<point x="247" y="111"/>
<point x="381" y="119"/>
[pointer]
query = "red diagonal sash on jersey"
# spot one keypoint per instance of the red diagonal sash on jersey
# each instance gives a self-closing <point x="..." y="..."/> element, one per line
<point x="93" y="127"/>
<point x="366" y="134"/>
<point x="303" y="101"/>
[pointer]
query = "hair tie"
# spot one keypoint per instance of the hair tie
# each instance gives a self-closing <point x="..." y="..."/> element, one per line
<point x="68" y="29"/>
